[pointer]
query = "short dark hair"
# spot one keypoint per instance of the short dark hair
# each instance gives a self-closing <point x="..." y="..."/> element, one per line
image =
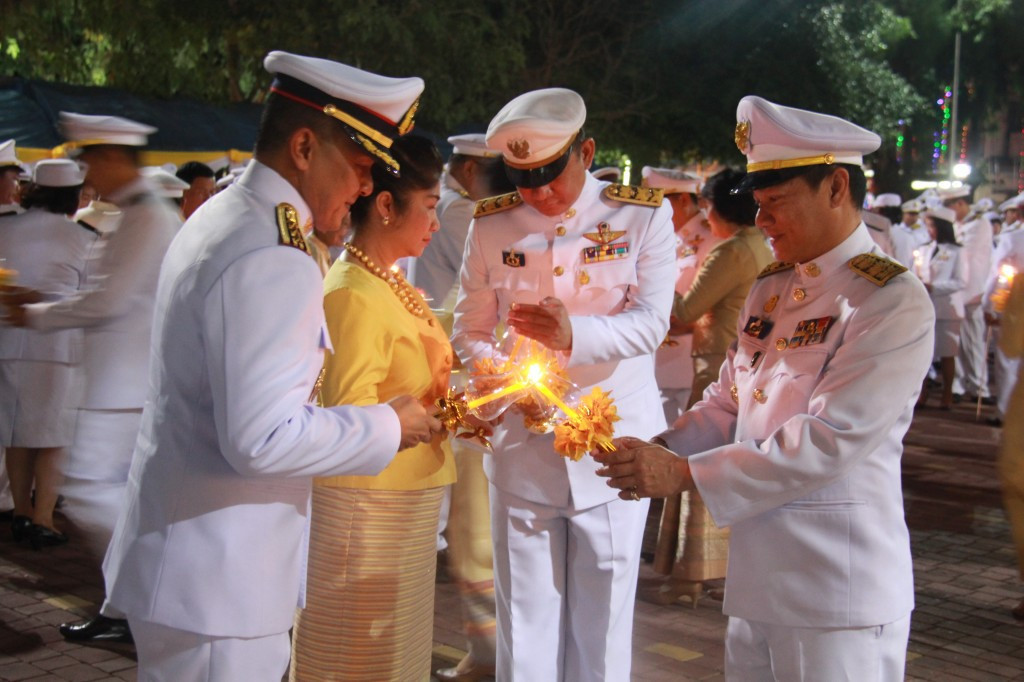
<point x="944" y="232"/>
<point x="739" y="209"/>
<point x="492" y="169"/>
<point x="421" y="165"/>
<point x="190" y="170"/>
<point x="63" y="200"/>
<point x="281" y="117"/>
<point x="815" y="175"/>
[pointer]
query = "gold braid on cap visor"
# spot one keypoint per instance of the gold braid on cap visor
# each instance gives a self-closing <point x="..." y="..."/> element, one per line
<point x="827" y="159"/>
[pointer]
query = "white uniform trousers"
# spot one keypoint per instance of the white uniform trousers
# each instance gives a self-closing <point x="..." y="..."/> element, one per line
<point x="971" y="362"/>
<point x="171" y="655"/>
<point x="1004" y="371"/>
<point x="96" y="472"/>
<point x="565" y="582"/>
<point x="761" y="652"/>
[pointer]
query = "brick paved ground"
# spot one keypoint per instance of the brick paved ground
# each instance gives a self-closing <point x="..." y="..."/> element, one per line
<point x="964" y="565"/>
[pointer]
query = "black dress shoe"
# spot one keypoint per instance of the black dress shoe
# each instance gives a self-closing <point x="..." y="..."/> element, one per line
<point x="41" y="536"/>
<point x="21" y="528"/>
<point x="99" y="628"/>
<point x="6" y="515"/>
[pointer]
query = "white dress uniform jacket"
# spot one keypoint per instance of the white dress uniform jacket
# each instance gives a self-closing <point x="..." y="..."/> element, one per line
<point x="673" y="364"/>
<point x="797" y="446"/>
<point x="906" y="239"/>
<point x="49" y="252"/>
<point x="437" y="270"/>
<point x="976" y="238"/>
<point x="947" y="278"/>
<point x="212" y="537"/>
<point x="619" y="314"/>
<point x="116" y="305"/>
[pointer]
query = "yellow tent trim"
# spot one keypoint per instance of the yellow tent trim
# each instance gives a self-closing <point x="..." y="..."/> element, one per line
<point x="152" y="157"/>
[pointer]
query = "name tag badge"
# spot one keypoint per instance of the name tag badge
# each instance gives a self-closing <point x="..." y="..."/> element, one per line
<point x="757" y="328"/>
<point x="605" y="252"/>
<point x="810" y="332"/>
<point x="513" y="259"/>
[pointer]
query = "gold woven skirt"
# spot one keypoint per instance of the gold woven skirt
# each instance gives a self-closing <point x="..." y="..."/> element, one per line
<point x="370" y="595"/>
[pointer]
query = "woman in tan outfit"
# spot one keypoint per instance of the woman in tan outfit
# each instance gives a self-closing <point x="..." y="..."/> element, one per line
<point x="691" y="549"/>
<point x="1011" y="457"/>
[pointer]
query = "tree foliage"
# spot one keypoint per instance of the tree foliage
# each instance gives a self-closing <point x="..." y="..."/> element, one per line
<point x="661" y="77"/>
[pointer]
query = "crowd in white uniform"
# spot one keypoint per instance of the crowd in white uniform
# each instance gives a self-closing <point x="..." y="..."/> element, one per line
<point x="208" y="338"/>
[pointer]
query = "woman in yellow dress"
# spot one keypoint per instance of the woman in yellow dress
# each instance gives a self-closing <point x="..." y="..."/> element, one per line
<point x="370" y="585"/>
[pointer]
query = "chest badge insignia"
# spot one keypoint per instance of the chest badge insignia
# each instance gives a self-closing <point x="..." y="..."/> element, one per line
<point x="604" y="234"/>
<point x="810" y="332"/>
<point x="513" y="259"/>
<point x="770" y="304"/>
<point x="757" y="328"/>
<point x="606" y="250"/>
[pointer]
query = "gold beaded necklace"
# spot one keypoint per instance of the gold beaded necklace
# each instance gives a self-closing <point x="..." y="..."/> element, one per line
<point x="403" y="290"/>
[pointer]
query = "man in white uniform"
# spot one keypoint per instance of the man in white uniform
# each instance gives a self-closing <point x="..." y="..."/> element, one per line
<point x="975" y="236"/>
<point x="115" y="309"/>
<point x="586" y="268"/>
<point x="797" y="446"/>
<point x="474" y="172"/>
<point x="673" y="366"/>
<point x="207" y="558"/>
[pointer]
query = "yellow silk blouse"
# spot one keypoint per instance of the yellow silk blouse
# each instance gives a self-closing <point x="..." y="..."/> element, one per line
<point x="381" y="351"/>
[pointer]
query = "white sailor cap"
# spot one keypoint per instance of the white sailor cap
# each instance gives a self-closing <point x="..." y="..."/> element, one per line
<point x="609" y="173"/>
<point x="939" y="211"/>
<point x="374" y="109"/>
<point x="472" y="144"/>
<point x="534" y="133"/>
<point x="9" y="156"/>
<point x="99" y="215"/>
<point x="86" y="130"/>
<point x="887" y="200"/>
<point x="950" y="193"/>
<point x="1013" y="203"/>
<point x="58" y="173"/>
<point x="671" y="180"/>
<point x="168" y="184"/>
<point x="777" y="139"/>
<point x="912" y="206"/>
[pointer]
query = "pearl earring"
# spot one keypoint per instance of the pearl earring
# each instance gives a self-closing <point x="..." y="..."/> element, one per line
<point x="387" y="220"/>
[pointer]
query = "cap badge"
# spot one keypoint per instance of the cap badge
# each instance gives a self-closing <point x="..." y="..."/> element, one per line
<point x="743" y="136"/>
<point x="520" y="148"/>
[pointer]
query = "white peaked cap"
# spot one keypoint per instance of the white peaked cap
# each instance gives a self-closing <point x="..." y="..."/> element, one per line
<point x="888" y="200"/>
<point x="57" y="173"/>
<point x="472" y="144"/>
<point x="374" y="109"/>
<point x="775" y="137"/>
<point x="168" y="184"/>
<point x="671" y="180"/>
<point x="940" y="211"/>
<point x="537" y="128"/>
<point x="85" y="130"/>
<point x="9" y="155"/>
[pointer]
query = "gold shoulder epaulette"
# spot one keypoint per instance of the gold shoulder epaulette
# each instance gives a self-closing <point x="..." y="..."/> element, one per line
<point x="492" y="205"/>
<point x="288" y="227"/>
<point x="875" y="269"/>
<point x="645" y="196"/>
<point x="772" y="268"/>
